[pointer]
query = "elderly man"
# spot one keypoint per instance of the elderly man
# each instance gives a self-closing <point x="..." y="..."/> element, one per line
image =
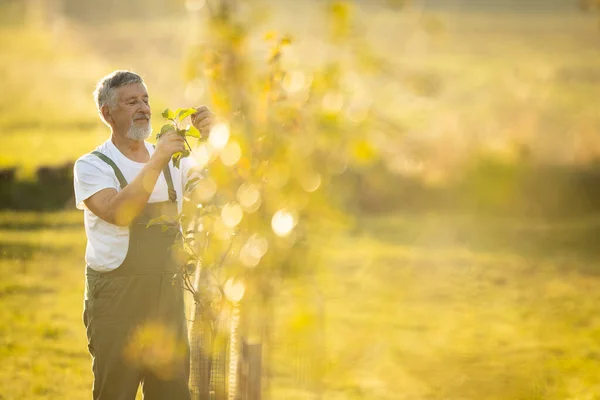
<point x="133" y="309"/>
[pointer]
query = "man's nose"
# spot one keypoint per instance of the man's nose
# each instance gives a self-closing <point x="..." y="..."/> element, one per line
<point x="145" y="108"/>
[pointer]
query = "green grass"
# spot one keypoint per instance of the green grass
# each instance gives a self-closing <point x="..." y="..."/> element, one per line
<point x="43" y="345"/>
<point x="393" y="312"/>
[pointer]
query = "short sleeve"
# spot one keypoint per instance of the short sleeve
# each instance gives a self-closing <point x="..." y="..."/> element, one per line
<point x="91" y="175"/>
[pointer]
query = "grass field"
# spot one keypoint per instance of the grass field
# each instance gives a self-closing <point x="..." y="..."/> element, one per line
<point x="414" y="307"/>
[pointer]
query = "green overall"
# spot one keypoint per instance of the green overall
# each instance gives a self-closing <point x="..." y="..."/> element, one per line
<point x="135" y="315"/>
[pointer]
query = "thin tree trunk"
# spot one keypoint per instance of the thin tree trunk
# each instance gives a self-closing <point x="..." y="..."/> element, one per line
<point x="201" y="338"/>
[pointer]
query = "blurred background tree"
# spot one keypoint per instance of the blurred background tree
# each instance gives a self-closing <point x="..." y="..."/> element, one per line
<point x="265" y="199"/>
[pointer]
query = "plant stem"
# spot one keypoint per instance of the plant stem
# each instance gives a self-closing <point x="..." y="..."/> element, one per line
<point x="188" y="145"/>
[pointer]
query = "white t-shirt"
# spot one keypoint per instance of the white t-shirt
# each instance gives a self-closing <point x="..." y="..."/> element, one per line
<point x="107" y="244"/>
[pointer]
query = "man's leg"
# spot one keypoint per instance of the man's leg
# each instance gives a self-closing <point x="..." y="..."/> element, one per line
<point x="157" y="388"/>
<point x="109" y="320"/>
<point x="114" y="377"/>
<point x="171" y="381"/>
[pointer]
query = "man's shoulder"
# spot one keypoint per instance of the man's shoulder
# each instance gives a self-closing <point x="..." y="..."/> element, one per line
<point x="91" y="159"/>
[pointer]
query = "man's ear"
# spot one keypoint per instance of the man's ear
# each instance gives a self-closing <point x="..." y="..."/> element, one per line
<point x="106" y="113"/>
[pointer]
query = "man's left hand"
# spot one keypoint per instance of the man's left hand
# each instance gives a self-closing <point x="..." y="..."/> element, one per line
<point x="203" y="119"/>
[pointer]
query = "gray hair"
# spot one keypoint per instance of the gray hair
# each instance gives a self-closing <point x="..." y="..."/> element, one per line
<point x="106" y="87"/>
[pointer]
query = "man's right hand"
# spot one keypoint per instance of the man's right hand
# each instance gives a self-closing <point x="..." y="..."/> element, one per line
<point x="168" y="144"/>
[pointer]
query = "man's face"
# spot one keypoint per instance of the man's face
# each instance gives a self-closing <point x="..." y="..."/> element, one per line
<point x="131" y="113"/>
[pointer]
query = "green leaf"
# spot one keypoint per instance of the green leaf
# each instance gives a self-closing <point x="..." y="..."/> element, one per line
<point x="176" y="159"/>
<point x="162" y="220"/>
<point x="191" y="184"/>
<point x="168" y="114"/>
<point x="193" y="132"/>
<point x="182" y="113"/>
<point x="166" y="128"/>
<point x="178" y="156"/>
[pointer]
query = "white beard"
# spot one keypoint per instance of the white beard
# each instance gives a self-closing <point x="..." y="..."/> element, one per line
<point x="137" y="132"/>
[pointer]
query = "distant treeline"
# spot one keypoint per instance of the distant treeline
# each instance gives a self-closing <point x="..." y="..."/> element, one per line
<point x="52" y="189"/>
<point x="487" y="187"/>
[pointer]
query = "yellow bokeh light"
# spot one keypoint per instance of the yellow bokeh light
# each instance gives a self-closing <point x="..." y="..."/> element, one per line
<point x="333" y="102"/>
<point x="260" y="244"/>
<point x="248" y="195"/>
<point x="358" y="111"/>
<point x="234" y="290"/>
<point x="253" y="250"/>
<point x="310" y="182"/>
<point x="248" y="258"/>
<point x="206" y="189"/>
<point x="231" y="153"/>
<point x="294" y="81"/>
<point x="219" y="136"/>
<point x="222" y="231"/>
<point x="155" y="347"/>
<point x="282" y="223"/>
<point x="232" y="214"/>
<point x="202" y="155"/>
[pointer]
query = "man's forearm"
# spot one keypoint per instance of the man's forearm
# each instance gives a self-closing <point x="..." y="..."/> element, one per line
<point x="126" y="205"/>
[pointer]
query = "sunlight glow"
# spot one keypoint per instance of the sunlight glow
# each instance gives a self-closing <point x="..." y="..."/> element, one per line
<point x="232" y="214"/>
<point x="333" y="102"/>
<point x="253" y="250"/>
<point x="248" y="195"/>
<point x="202" y="155"/>
<point x="206" y="189"/>
<point x="219" y="136"/>
<point x="234" y="290"/>
<point x="231" y="153"/>
<point x="358" y="111"/>
<point x="154" y="346"/>
<point x="282" y="223"/>
<point x="222" y="231"/>
<point x="294" y="81"/>
<point x="310" y="182"/>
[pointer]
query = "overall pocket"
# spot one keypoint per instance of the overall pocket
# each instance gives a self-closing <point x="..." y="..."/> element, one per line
<point x="104" y="291"/>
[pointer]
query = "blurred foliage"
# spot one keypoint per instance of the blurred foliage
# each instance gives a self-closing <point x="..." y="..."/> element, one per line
<point x="252" y="213"/>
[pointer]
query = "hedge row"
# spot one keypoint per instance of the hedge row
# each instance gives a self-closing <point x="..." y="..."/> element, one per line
<point x="52" y="189"/>
<point x="488" y="187"/>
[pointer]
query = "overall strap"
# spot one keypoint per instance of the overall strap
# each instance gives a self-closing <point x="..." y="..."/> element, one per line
<point x="172" y="192"/>
<point x="169" y="179"/>
<point x="118" y="173"/>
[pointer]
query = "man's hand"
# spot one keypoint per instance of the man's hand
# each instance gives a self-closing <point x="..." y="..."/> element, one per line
<point x="203" y="119"/>
<point x="168" y="144"/>
<point x="121" y="208"/>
